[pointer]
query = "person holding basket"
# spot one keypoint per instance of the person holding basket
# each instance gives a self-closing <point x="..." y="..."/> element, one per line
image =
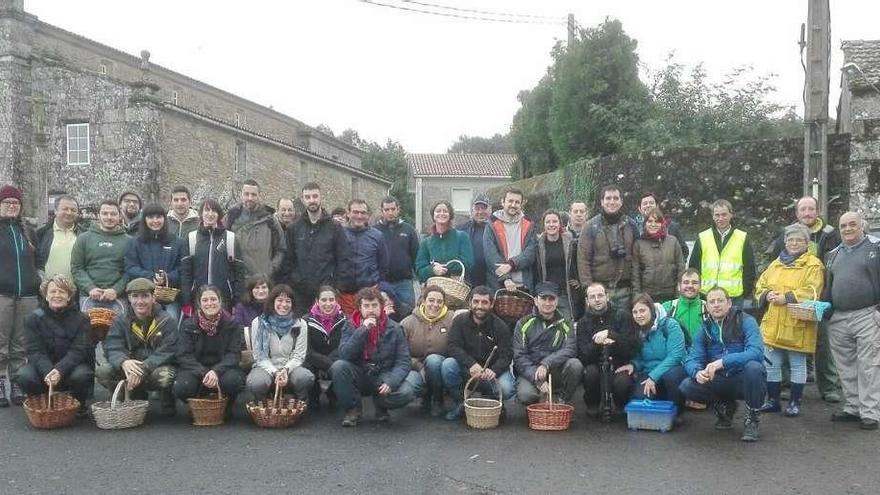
<point x="445" y="244"/>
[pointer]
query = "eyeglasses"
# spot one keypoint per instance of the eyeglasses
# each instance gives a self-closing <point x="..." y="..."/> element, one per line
<point x="796" y="240"/>
<point x="10" y="202"/>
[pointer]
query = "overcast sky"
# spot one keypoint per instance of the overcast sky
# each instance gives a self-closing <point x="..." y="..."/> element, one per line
<point x="422" y="79"/>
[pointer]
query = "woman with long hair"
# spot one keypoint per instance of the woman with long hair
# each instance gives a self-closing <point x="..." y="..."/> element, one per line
<point x="155" y="255"/>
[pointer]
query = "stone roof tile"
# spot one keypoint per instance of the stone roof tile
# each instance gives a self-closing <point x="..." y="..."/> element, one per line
<point x="865" y="54"/>
<point x="461" y="164"/>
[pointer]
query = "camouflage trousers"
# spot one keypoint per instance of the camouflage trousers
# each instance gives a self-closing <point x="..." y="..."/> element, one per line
<point x="160" y="379"/>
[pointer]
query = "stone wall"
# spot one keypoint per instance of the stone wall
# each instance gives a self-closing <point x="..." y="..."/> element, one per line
<point x="761" y="179"/>
<point x="865" y="168"/>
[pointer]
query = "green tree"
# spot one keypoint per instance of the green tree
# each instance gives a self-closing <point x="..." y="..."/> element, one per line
<point x="390" y="161"/>
<point x="531" y="133"/>
<point x="477" y="144"/>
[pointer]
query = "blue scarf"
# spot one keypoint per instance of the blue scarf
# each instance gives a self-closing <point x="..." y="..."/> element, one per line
<point x="278" y="324"/>
<point x="787" y="259"/>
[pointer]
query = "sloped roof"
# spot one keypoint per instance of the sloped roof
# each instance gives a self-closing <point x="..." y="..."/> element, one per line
<point x="461" y="164"/>
<point x="865" y="54"/>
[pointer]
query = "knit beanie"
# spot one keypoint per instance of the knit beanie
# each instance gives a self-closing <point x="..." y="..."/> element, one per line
<point x="9" y="191"/>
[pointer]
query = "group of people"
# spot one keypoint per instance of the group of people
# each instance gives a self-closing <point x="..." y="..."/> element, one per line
<point x="325" y="305"/>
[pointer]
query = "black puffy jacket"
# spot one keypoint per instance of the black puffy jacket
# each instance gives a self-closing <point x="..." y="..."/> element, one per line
<point x="59" y="340"/>
<point x="317" y="254"/>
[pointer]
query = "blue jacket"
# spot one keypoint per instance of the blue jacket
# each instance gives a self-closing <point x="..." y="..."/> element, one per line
<point x="662" y="349"/>
<point x="145" y="257"/>
<point x="369" y="255"/>
<point x="738" y="343"/>
<point x="391" y="358"/>
<point x="475" y="231"/>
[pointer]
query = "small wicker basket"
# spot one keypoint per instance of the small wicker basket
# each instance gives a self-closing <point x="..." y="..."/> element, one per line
<point x="208" y="412"/>
<point x="482" y="413"/>
<point x="164" y="293"/>
<point x="51" y="410"/>
<point x="457" y="291"/>
<point x="114" y="415"/>
<point x="806" y="310"/>
<point x="513" y="305"/>
<point x="547" y="415"/>
<point x="278" y="412"/>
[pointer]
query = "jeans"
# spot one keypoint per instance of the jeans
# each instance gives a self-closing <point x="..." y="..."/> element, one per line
<point x="13" y="352"/>
<point x="432" y="384"/>
<point x="749" y="385"/>
<point x="405" y="292"/>
<point x="667" y="386"/>
<point x="351" y="381"/>
<point x="797" y="361"/>
<point x="454" y="378"/>
<point x="79" y="381"/>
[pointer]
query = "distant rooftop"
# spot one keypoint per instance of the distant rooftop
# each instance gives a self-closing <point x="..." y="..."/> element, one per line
<point x="865" y="54"/>
<point x="461" y="164"/>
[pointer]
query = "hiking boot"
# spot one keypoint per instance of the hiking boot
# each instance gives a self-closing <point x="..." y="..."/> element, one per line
<point x="456" y="412"/>
<point x="793" y="409"/>
<point x="751" y="425"/>
<point x="771" y="406"/>
<point x="868" y="424"/>
<point x="4" y="401"/>
<point x="382" y="415"/>
<point x="845" y="417"/>
<point x="167" y="406"/>
<point x="17" y="396"/>
<point x="831" y="397"/>
<point x="695" y="406"/>
<point x="724" y="411"/>
<point x="352" y="417"/>
<point x="426" y="404"/>
<point x="437" y="410"/>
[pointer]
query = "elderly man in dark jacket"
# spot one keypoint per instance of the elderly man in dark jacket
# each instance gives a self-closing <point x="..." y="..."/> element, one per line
<point x="475" y="336"/>
<point x="368" y="253"/>
<point x="543" y="345"/>
<point x="603" y="325"/>
<point x="317" y="252"/>
<point x="373" y="360"/>
<point x="140" y="347"/>
<point x="258" y="231"/>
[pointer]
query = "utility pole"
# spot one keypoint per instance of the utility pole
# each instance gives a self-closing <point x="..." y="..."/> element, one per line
<point x="572" y="26"/>
<point x="818" y="45"/>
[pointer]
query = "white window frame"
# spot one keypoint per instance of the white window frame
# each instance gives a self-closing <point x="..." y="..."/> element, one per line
<point x="174" y="97"/>
<point x="237" y="119"/>
<point x="78" y="140"/>
<point x="104" y="69"/>
<point x="468" y="195"/>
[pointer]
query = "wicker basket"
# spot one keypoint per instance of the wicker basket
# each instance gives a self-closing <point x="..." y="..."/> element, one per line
<point x="513" y="305"/>
<point x="457" y="291"/>
<point x="482" y="413"/>
<point x="165" y="294"/>
<point x="208" y="412"/>
<point x="100" y="319"/>
<point x="114" y="415"/>
<point x="804" y="311"/>
<point x="51" y="410"/>
<point x="547" y="415"/>
<point x="278" y="412"/>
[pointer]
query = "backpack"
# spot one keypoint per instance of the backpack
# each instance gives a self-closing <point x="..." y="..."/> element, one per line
<point x="230" y="243"/>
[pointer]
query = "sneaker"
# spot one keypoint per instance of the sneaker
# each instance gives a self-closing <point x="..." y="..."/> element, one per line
<point x="382" y="415"/>
<point x="4" y="401"/>
<point x="771" y="406"/>
<point x="868" y="424"/>
<point x="693" y="405"/>
<point x="831" y="397"/>
<point x="751" y="425"/>
<point x="845" y="417"/>
<point x="724" y="411"/>
<point x="456" y="412"/>
<point x="352" y="417"/>
<point x="17" y="396"/>
<point x="793" y="409"/>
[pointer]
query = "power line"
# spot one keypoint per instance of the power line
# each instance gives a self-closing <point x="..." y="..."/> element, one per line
<point x="461" y="16"/>
<point x="485" y="12"/>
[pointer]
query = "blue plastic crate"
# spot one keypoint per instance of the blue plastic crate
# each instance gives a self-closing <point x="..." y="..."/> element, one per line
<point x="649" y="414"/>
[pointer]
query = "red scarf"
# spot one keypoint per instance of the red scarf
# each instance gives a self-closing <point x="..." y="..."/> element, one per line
<point x="660" y="235"/>
<point x="208" y="324"/>
<point x="375" y="333"/>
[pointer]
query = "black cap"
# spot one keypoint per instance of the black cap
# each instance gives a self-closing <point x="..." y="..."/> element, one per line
<point x="547" y="289"/>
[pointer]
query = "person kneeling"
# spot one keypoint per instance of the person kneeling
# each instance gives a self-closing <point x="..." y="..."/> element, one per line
<point x="280" y="348"/>
<point x="543" y="345"/>
<point x="60" y="350"/>
<point x="725" y="364"/>
<point x="209" y="350"/>
<point x="373" y="360"/>
<point x="140" y="347"/>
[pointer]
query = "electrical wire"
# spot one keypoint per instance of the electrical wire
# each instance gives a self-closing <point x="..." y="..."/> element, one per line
<point x="485" y="12"/>
<point x="461" y="16"/>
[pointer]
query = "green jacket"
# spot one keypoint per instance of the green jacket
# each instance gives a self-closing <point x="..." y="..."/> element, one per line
<point x="452" y="245"/>
<point x="689" y="313"/>
<point x="98" y="260"/>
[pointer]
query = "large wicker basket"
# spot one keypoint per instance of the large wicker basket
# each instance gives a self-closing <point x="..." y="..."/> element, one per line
<point x="51" y="410"/>
<point x="115" y="415"/>
<point x="457" y="291"/>
<point x="547" y="415"/>
<point x="100" y="319"/>
<point x="806" y="310"/>
<point x="278" y="412"/>
<point x="482" y="413"/>
<point x="513" y="305"/>
<point x="208" y="412"/>
<point x="164" y="293"/>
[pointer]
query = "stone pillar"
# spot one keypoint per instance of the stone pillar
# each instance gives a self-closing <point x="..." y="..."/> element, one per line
<point x="143" y="122"/>
<point x="16" y="108"/>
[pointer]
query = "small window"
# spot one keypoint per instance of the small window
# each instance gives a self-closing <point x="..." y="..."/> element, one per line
<point x="237" y="119"/>
<point x="174" y="97"/>
<point x="78" y="144"/>
<point x="461" y="200"/>
<point x="104" y="69"/>
<point x="303" y="172"/>
<point x="355" y="188"/>
<point x="240" y="157"/>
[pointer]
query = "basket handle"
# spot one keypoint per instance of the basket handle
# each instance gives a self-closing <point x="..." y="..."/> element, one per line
<point x="164" y="278"/>
<point x="485" y="365"/>
<point x="219" y="392"/>
<point x="520" y="291"/>
<point x="279" y="394"/>
<point x="460" y="277"/>
<point x="113" y="400"/>
<point x="468" y="384"/>
<point x="550" y="388"/>
<point x="51" y="392"/>
<point x="815" y="294"/>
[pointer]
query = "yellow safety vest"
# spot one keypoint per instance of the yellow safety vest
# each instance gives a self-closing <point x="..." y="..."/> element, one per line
<point x="723" y="269"/>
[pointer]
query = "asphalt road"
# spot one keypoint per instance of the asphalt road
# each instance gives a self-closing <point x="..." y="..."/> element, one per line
<point x="418" y="454"/>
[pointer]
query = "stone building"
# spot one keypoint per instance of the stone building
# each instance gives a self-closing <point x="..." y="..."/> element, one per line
<point x="80" y="117"/>
<point x="455" y="177"/>
<point x="858" y="114"/>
